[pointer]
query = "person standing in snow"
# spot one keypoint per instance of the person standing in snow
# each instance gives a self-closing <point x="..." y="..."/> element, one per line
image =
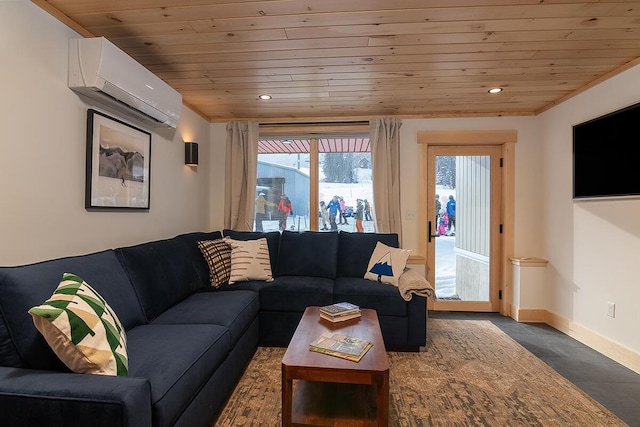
<point x="285" y="209"/>
<point x="451" y="214"/>
<point x="334" y="210"/>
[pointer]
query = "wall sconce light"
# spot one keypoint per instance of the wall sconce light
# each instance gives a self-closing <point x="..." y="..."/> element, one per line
<point x="191" y="153"/>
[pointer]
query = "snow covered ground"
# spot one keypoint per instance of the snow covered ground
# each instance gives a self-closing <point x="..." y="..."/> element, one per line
<point x="445" y="267"/>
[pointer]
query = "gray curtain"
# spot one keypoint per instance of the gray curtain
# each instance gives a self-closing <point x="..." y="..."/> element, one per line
<point x="385" y="159"/>
<point x="241" y="170"/>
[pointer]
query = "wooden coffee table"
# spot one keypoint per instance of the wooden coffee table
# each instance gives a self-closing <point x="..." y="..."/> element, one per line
<point x="331" y="391"/>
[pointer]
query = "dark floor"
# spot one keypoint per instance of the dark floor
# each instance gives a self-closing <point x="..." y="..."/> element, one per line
<point x="614" y="386"/>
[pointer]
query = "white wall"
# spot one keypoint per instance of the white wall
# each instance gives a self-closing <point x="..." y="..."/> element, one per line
<point x="593" y="247"/>
<point x="42" y="155"/>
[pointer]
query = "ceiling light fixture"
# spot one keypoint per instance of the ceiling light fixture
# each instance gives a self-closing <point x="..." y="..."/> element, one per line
<point x="264" y="97"/>
<point x="287" y="141"/>
<point x="495" y="90"/>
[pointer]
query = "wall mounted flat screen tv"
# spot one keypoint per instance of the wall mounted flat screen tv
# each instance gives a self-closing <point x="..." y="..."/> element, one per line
<point x="606" y="156"/>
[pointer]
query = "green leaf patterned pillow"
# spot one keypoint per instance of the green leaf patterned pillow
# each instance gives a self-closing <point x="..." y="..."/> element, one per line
<point x="82" y="329"/>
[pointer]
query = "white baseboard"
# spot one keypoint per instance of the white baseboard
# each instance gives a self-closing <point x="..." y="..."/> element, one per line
<point x="618" y="352"/>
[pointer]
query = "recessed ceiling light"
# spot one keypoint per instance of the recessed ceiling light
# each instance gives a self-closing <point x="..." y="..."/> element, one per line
<point x="495" y="90"/>
<point x="264" y="97"/>
<point x="286" y="141"/>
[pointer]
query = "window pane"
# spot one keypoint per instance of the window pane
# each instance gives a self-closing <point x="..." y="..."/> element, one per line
<point x="345" y="178"/>
<point x="345" y="174"/>
<point x="344" y="169"/>
<point x="463" y="245"/>
<point x="282" y="192"/>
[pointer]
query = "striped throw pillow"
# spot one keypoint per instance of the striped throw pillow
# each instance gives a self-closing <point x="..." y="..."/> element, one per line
<point x="218" y="255"/>
<point x="249" y="260"/>
<point x="82" y="329"/>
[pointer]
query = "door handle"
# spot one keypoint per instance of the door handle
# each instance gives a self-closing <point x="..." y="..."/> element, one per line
<point x="429" y="231"/>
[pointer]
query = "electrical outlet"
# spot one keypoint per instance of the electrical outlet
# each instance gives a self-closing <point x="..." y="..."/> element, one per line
<point x="611" y="309"/>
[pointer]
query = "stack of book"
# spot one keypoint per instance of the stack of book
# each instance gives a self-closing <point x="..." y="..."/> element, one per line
<point x="340" y="312"/>
<point x="338" y="345"/>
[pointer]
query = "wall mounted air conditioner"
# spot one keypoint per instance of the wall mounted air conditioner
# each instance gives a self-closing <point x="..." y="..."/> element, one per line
<point x="101" y="71"/>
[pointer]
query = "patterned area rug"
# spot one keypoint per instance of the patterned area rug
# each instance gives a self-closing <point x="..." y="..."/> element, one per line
<point x="469" y="374"/>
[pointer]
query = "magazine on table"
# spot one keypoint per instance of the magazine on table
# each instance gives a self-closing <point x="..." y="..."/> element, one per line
<point x="340" y="309"/>
<point x="336" y="319"/>
<point x="340" y="345"/>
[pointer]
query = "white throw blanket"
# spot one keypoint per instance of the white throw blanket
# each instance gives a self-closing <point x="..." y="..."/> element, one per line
<point x="411" y="282"/>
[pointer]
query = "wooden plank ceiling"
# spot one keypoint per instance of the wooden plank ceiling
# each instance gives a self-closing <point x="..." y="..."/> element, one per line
<point x="356" y="59"/>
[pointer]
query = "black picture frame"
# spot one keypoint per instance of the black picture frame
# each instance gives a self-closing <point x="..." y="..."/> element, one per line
<point x="118" y="169"/>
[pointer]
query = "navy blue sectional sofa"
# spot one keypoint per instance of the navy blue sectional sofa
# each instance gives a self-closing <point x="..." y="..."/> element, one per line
<point x="188" y="343"/>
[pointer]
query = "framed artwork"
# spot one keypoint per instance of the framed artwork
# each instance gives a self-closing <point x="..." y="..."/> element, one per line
<point x="118" y="164"/>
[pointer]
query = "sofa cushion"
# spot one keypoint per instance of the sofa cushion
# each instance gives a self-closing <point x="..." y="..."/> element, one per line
<point x="355" y="249"/>
<point x="295" y="293"/>
<point x="177" y="360"/>
<point x="387" y="264"/>
<point x="273" y="241"/>
<point x="383" y="298"/>
<point x="234" y="310"/>
<point x="161" y="272"/>
<point x="217" y="253"/>
<point x="249" y="260"/>
<point x="309" y="253"/>
<point x="22" y="287"/>
<point x="193" y="253"/>
<point x="82" y="329"/>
